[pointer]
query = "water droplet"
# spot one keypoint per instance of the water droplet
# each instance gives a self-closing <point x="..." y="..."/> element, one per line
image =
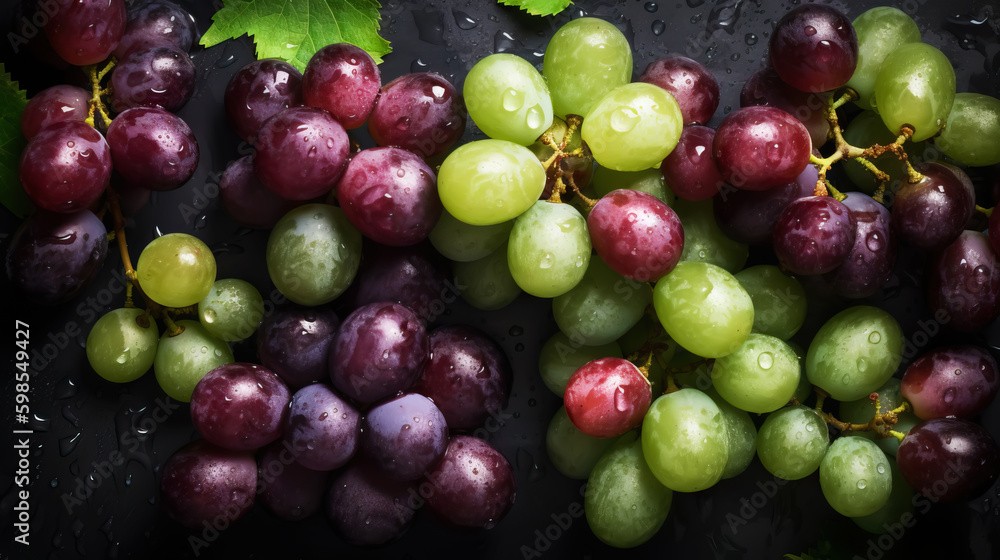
<point x="875" y="337"/>
<point x="535" y="117"/>
<point x="949" y="395"/>
<point x="862" y="484"/>
<point x="846" y="379"/>
<point x="621" y="401"/>
<point x="512" y="100"/>
<point x="658" y="27"/>
<point x="624" y="119"/>
<point x="880" y="468"/>
<point x="862" y="365"/>
<point x="810" y="30"/>
<point x="463" y="20"/>
<point x="547" y="261"/>
<point x="958" y="372"/>
<point x="751" y="39"/>
<point x="651" y="7"/>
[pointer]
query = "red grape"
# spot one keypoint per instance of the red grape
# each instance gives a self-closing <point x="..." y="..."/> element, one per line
<point x="301" y="153"/>
<point x="205" y="484"/>
<point x="636" y="234"/>
<point x="607" y="397"/>
<point x="689" y="82"/>
<point x="421" y="112"/>
<point x="344" y="80"/>
<point x="761" y="147"/>
<point x="258" y="91"/>
<point x="240" y="406"/>
<point x="964" y="282"/>
<point x="473" y="486"/>
<point x="948" y="459"/>
<point x="690" y="170"/>
<point x="66" y="167"/>
<point x="959" y="380"/>
<point x="814" y="48"/>
<point x="54" y="104"/>
<point x="813" y="235"/>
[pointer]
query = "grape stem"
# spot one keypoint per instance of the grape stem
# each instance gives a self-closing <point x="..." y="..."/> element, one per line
<point x="881" y="423"/>
<point x="553" y="165"/>
<point x="97" y="105"/>
<point x="985" y="211"/>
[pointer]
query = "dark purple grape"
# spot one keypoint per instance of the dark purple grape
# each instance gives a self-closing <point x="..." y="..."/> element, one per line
<point x="959" y="380"/>
<point x="636" y="234"/>
<point x="85" y="32"/>
<point x="690" y="170"/>
<point x="993" y="229"/>
<point x="258" y="91"/>
<point x="301" y="153"/>
<point x="421" y="112"/>
<point x="368" y="509"/>
<point x="948" y="459"/>
<point x="155" y="24"/>
<point x="290" y="491"/>
<point x="66" y="167"/>
<point x="468" y="376"/>
<point x="390" y="195"/>
<point x="405" y="436"/>
<point x="240" y="406"/>
<point x="963" y="282"/>
<point x="813" y="235"/>
<point x="54" y="104"/>
<point x="473" y="486"/>
<point x="761" y="147"/>
<point x="689" y="82"/>
<point x="344" y="80"/>
<point x="323" y="429"/>
<point x="814" y="48"/>
<point x="765" y="87"/>
<point x="749" y="216"/>
<point x="153" y="77"/>
<point x="247" y="200"/>
<point x="153" y="148"/>
<point x="932" y="212"/>
<point x="379" y="351"/>
<point x="870" y="262"/>
<point x="52" y="257"/>
<point x="294" y="342"/>
<point x="404" y="275"/>
<point x="206" y="484"/>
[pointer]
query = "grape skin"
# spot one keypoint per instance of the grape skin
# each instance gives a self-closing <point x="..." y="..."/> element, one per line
<point x="66" y="167"/>
<point x="761" y="147"/>
<point x="240" y="406"/>
<point x="301" y="153"/>
<point x="153" y="148"/>
<point x="344" y="80"/>
<point x="155" y="76"/>
<point x="203" y="483"/>
<point x="54" y="104"/>
<point x="258" y="91"/>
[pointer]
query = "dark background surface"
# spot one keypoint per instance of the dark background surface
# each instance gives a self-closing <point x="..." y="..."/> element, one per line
<point x="80" y="421"/>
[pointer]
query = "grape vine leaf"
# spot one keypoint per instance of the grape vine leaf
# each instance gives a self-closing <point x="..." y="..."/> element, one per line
<point x="294" y="30"/>
<point x="539" y="7"/>
<point x="12" y="102"/>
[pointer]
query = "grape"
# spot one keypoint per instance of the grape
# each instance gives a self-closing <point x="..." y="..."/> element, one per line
<point x="367" y="509"/>
<point x="122" y="344"/>
<point x="749" y="216"/>
<point x="625" y="504"/>
<point x="183" y="359"/>
<point x="585" y="59"/>
<point x="649" y="181"/>
<point x="405" y="436"/>
<point x="855" y="476"/>
<point x="313" y="254"/>
<point x="813" y="235"/>
<point x="869" y="264"/>
<point x="949" y="459"/>
<point x="964" y="283"/>
<point x="690" y="83"/>
<point x="761" y="147"/>
<point x="854" y="352"/>
<point x="958" y="380"/>
<point x="932" y="212"/>
<point x="421" y="112"/>
<point x="323" y="429"/>
<point x="344" y="80"/>
<point x="487" y="182"/>
<point x="65" y="167"/>
<point x="915" y="86"/>
<point x="459" y="241"/>
<point x="301" y="153"/>
<point x="176" y="270"/>
<point x="704" y="309"/>
<point x="232" y="309"/>
<point x="52" y="257"/>
<point x="204" y="484"/>
<point x="814" y="48"/>
<point x="690" y="169"/>
<point x="290" y="491"/>
<point x="898" y="509"/>
<point x="572" y="452"/>
<point x="761" y="376"/>
<point x="562" y="355"/>
<point x="258" y="91"/>
<point x="153" y="148"/>
<point x="294" y="342"/>
<point x="52" y="105"/>
<point x="508" y="99"/>
<point x="549" y="249"/>
<point x="742" y="436"/>
<point x="974" y="117"/>
<point x="792" y="442"/>
<point x="684" y="440"/>
<point x="390" y="195"/>
<point x="157" y="23"/>
<point x="704" y="240"/>
<point x="633" y="127"/>
<point x="487" y="283"/>
<point x="405" y="275"/>
<point x="473" y="486"/>
<point x="240" y="406"/>
<point x="765" y="87"/>
<point x="636" y="234"/>
<point x="779" y="301"/>
<point x="602" y="307"/>
<point x="85" y="31"/>
<point x="155" y="76"/>
<point x="607" y="397"/>
<point x="879" y="30"/>
<point x="247" y="200"/>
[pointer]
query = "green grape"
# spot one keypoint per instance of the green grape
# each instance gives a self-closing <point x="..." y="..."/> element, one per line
<point x="779" y="301"/>
<point x="915" y="86"/>
<point x="854" y="352"/>
<point x="704" y="309"/>
<point x="603" y="306"/>
<point x="742" y="435"/>
<point x="805" y="388"/>
<point x="508" y="99"/>
<point x="972" y="131"/>
<point x="867" y="129"/>
<point x="704" y="241"/>
<point x="792" y="442"/>
<point x="462" y="242"/>
<point x="633" y="127"/>
<point x="313" y="254"/>
<point x="122" y="344"/>
<point x="176" y="270"/>
<point x="585" y="59"/>
<point x="684" y="440"/>
<point x="182" y="360"/>
<point x="232" y="310"/>
<point x="760" y="376"/>
<point x="487" y="182"/>
<point x="855" y="476"/>
<point x="625" y="504"/>
<point x="486" y="283"/>
<point x="898" y="509"/>
<point x="549" y="249"/>
<point x="561" y="356"/>
<point x="572" y="452"/>
<point x="880" y="30"/>
<point x="861" y="411"/>
<point x="649" y="181"/>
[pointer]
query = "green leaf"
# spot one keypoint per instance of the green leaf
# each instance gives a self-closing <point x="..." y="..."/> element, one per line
<point x="293" y="30"/>
<point x="12" y="102"/>
<point x="539" y="7"/>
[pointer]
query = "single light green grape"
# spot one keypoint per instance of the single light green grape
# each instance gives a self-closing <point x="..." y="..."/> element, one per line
<point x="182" y="360"/>
<point x="649" y="181"/>
<point x="867" y="129"/>
<point x="561" y="356"/>
<point x="508" y="99"/>
<point x="232" y="310"/>
<point x="176" y="270"/>
<point x="880" y="30"/>
<point x="915" y="86"/>
<point x="684" y="440"/>
<point x="742" y="435"/>
<point x="462" y="242"/>
<point x="633" y="127"/>
<point x="779" y="301"/>
<point x="549" y="249"/>
<point x="486" y="283"/>
<point x="899" y="509"/>
<point x="855" y="476"/>
<point x="761" y="376"/>
<point x="488" y="182"/>
<point x="792" y="442"/>
<point x="122" y="344"/>
<point x="972" y="131"/>
<point x="603" y="306"/>
<point x="704" y="241"/>
<point x="572" y="452"/>
<point x="585" y="59"/>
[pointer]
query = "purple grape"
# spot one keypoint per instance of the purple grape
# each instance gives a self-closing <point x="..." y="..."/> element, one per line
<point x="473" y="485"/>
<point x="870" y="262"/>
<point x="294" y="342"/>
<point x="66" y="167"/>
<point x="206" y="484"/>
<point x="959" y="380"/>
<point x="765" y="87"/>
<point x="153" y="148"/>
<point x="52" y="257"/>
<point x="153" y="77"/>
<point x="814" y="48"/>
<point x="247" y="200"/>
<point x="258" y="91"/>
<point x="690" y="170"/>
<point x="368" y="509"/>
<point x="404" y="275"/>
<point x="323" y="429"/>
<point x="948" y="459"/>
<point x="405" y="436"/>
<point x="468" y="376"/>
<point x="761" y="147"/>
<point x="54" y="104"/>
<point x="963" y="282"/>
<point x="421" y="112"/>
<point x="155" y="24"/>
<point x="390" y="195"/>
<point x="344" y="80"/>
<point x="813" y="235"/>
<point x="993" y="230"/>
<point x="379" y="351"/>
<point x="689" y="82"/>
<point x="290" y="491"/>
<point x="636" y="234"/>
<point x="85" y="32"/>
<point x="749" y="216"/>
<point x="240" y="406"/>
<point x="301" y="153"/>
<point x="932" y="212"/>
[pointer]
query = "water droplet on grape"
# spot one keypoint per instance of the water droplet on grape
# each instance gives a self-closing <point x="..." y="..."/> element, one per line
<point x="880" y="468"/>
<point x="958" y="372"/>
<point x="846" y="379"/>
<point x="765" y="360"/>
<point x="949" y="395"/>
<point x="862" y="366"/>
<point x="862" y="484"/>
<point x="512" y="100"/>
<point x="873" y="241"/>
<point x="546" y="261"/>
<point x="875" y="337"/>
<point x="535" y="117"/>
<point x="624" y="119"/>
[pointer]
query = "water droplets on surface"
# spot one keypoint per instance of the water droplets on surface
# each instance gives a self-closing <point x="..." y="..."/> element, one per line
<point x="862" y="484"/>
<point x="624" y="119"/>
<point x="658" y="27"/>
<point x="875" y="337"/>
<point x="765" y="360"/>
